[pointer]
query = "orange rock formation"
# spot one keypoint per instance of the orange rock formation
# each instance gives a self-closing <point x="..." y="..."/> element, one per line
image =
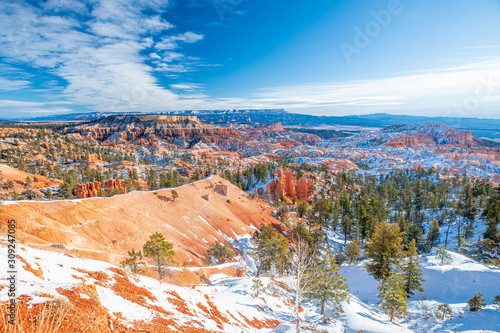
<point x="91" y="190"/>
<point x="288" y="185"/>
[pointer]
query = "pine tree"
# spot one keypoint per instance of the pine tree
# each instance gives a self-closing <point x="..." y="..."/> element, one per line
<point x="353" y="251"/>
<point x="329" y="285"/>
<point x="346" y="224"/>
<point x="161" y="250"/>
<point x="496" y="301"/>
<point x="133" y="261"/>
<point x="443" y="312"/>
<point x="175" y="195"/>
<point x="433" y="235"/>
<point x="270" y="249"/>
<point x="393" y="296"/>
<point x="412" y="271"/>
<point x="384" y="250"/>
<point x="220" y="252"/>
<point x="257" y="287"/>
<point x="443" y="256"/>
<point x="476" y="302"/>
<point x="492" y="214"/>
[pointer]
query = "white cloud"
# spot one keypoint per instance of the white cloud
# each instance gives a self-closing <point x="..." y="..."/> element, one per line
<point x="102" y="49"/>
<point x="172" y="42"/>
<point x="471" y="88"/>
<point x="10" y="103"/>
<point x="185" y="86"/>
<point x="7" y="84"/>
<point x="99" y="52"/>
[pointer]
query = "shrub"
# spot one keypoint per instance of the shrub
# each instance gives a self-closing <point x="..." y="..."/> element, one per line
<point x="496" y="300"/>
<point x="220" y="252"/>
<point x="476" y="302"/>
<point x="257" y="287"/>
<point x="443" y="256"/>
<point x="443" y="312"/>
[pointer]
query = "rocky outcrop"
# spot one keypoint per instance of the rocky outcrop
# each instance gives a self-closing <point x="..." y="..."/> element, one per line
<point x="91" y="158"/>
<point x="288" y="185"/>
<point x="91" y="190"/>
<point x="114" y="184"/>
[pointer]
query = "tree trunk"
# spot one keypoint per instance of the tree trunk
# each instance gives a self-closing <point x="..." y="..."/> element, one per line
<point x="297" y="326"/>
<point x="260" y="269"/>
<point x="447" y="231"/>
<point x="159" y="268"/>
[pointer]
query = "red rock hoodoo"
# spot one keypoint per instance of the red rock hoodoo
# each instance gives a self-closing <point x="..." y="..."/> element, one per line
<point x="288" y="185"/>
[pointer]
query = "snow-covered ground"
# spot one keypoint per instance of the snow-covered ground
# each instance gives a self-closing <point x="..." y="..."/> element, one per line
<point x="239" y="310"/>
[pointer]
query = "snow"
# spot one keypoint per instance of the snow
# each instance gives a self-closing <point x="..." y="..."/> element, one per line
<point x="454" y="284"/>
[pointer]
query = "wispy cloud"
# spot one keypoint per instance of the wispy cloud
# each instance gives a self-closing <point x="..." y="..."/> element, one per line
<point x="473" y="87"/>
<point x="97" y="48"/>
<point x="7" y="84"/>
<point x="107" y="53"/>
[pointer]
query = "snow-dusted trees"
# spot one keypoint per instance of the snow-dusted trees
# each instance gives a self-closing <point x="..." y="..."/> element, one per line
<point x="476" y="302"/>
<point x="220" y="253"/>
<point x="443" y="256"/>
<point x="443" y="312"/>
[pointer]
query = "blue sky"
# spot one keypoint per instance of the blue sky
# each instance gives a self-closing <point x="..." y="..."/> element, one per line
<point x="417" y="57"/>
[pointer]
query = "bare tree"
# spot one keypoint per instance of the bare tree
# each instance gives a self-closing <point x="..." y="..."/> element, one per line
<point x="301" y="279"/>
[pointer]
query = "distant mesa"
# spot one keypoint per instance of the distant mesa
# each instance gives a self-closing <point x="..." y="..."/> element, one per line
<point x="146" y="129"/>
<point x="276" y="127"/>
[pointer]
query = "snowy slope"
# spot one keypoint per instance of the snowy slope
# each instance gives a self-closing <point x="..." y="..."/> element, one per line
<point x="453" y="284"/>
<point x="227" y="304"/>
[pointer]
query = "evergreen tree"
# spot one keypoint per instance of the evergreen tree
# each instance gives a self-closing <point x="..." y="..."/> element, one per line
<point x="496" y="301"/>
<point x="353" y="251"/>
<point x="175" y="195"/>
<point x="393" y="296"/>
<point x="433" y="235"/>
<point x="443" y="256"/>
<point x="384" y="250"/>
<point x="346" y="224"/>
<point x="443" y="312"/>
<point x="329" y="286"/>
<point x="133" y="261"/>
<point x="159" y="249"/>
<point x="257" y="286"/>
<point x="491" y="213"/>
<point x="411" y="270"/>
<point x="220" y="252"/>
<point x="476" y="302"/>
<point x="270" y="249"/>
